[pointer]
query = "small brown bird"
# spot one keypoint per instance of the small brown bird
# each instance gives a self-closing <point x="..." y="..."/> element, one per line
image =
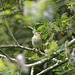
<point x="37" y="41"/>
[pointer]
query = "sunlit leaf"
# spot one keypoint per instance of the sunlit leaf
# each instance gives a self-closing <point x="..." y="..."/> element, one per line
<point x="71" y="3"/>
<point x="1" y="65"/>
<point x="7" y="12"/>
<point x="53" y="46"/>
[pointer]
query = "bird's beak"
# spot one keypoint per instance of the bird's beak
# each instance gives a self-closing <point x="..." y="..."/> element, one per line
<point x="40" y="33"/>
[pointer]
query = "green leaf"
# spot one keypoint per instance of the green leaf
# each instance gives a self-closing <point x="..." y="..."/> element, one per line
<point x="34" y="31"/>
<point x="45" y="36"/>
<point x="7" y="12"/>
<point x="70" y="3"/>
<point x="73" y="45"/>
<point x="53" y="46"/>
<point x="62" y="47"/>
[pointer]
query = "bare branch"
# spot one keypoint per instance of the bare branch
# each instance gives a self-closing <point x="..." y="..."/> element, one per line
<point x="67" y="71"/>
<point x="59" y="4"/>
<point x="8" y="25"/>
<point x="1" y="55"/>
<point x="4" y="56"/>
<point x="71" y="42"/>
<point x="44" y="60"/>
<point x="52" y="67"/>
<point x="22" y="47"/>
<point x="58" y="61"/>
<point x="38" y="62"/>
<point x="32" y="70"/>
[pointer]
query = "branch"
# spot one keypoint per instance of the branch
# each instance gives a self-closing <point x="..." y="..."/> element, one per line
<point x="4" y="56"/>
<point x="62" y="3"/>
<point x="22" y="47"/>
<point x="30" y="49"/>
<point x="67" y="71"/>
<point x="58" y="61"/>
<point x="8" y="25"/>
<point x="71" y="42"/>
<point x="1" y="55"/>
<point x="38" y="62"/>
<point x="44" y="60"/>
<point x="52" y="67"/>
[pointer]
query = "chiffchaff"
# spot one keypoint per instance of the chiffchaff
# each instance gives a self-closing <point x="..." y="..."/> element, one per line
<point x="37" y="41"/>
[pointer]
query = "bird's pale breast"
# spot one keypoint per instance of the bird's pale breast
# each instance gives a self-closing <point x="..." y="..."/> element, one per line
<point x="36" y="41"/>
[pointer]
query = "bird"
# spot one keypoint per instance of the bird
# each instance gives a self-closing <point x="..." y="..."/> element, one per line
<point x="37" y="41"/>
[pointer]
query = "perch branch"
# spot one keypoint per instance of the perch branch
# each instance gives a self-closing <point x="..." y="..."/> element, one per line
<point x="22" y="47"/>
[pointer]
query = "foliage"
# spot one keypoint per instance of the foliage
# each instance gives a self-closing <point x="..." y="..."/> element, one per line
<point x="25" y="17"/>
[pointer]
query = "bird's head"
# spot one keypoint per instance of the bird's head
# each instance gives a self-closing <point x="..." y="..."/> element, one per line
<point x="37" y="34"/>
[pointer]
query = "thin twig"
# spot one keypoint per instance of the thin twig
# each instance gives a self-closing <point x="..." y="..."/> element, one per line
<point x="67" y="71"/>
<point x="8" y="25"/>
<point x="4" y="55"/>
<point x="59" y="4"/>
